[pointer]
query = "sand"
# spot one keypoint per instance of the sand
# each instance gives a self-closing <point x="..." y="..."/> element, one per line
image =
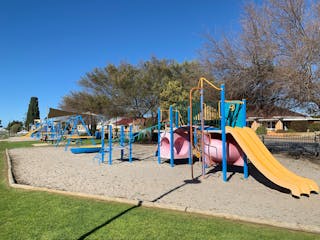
<point x="144" y="179"/>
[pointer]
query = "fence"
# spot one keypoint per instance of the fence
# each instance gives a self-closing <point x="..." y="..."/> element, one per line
<point x="295" y="145"/>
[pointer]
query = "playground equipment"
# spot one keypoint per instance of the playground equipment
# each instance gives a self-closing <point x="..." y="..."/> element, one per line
<point x="174" y="142"/>
<point x="73" y="134"/>
<point x="47" y="130"/>
<point x="180" y="144"/>
<point x="146" y="132"/>
<point x="85" y="149"/>
<point x="264" y="161"/>
<point x="213" y="151"/>
<point x="218" y="134"/>
<point x="122" y="146"/>
<point x="232" y="142"/>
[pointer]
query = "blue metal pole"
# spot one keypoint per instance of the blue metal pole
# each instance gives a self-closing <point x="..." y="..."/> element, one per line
<point x="171" y="137"/>
<point x="74" y="126"/>
<point x="190" y="152"/>
<point x="159" y="135"/>
<point x="130" y="143"/>
<point x="102" y="144"/>
<point x="244" y="124"/>
<point x="110" y="144"/>
<point x="64" y="130"/>
<point x="223" y="133"/>
<point x="87" y="130"/>
<point x="121" y="142"/>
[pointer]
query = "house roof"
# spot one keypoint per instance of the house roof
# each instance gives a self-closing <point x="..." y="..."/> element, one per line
<point x="270" y="113"/>
<point x="124" y="121"/>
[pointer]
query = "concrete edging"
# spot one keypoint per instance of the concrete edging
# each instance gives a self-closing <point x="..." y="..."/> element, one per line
<point x="290" y="226"/>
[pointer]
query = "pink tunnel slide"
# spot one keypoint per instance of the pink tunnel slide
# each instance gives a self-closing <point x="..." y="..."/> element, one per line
<point x="213" y="151"/>
<point x="212" y="148"/>
<point x="180" y="144"/>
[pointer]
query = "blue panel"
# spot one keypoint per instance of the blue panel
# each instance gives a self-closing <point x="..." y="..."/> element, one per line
<point x="234" y="114"/>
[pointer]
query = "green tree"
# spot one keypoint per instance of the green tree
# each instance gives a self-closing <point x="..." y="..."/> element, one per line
<point x="14" y="126"/>
<point x="172" y="93"/>
<point x="0" y="123"/>
<point x="33" y="111"/>
<point x="134" y="91"/>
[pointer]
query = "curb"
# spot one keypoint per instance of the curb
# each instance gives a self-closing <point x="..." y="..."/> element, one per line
<point x="148" y="204"/>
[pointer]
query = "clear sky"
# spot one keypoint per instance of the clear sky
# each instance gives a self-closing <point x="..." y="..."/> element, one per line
<point x="46" y="46"/>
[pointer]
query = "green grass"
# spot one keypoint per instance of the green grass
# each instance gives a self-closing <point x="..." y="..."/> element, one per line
<point x="40" y="215"/>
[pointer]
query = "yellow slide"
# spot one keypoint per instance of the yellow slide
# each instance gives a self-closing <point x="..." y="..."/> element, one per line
<point x="264" y="161"/>
<point x="32" y="131"/>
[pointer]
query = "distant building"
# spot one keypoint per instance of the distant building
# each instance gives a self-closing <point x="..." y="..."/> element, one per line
<point x="276" y="119"/>
<point x="137" y="123"/>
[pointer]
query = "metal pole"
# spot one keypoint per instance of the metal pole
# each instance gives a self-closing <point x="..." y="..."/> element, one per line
<point x="223" y="133"/>
<point x="192" y="138"/>
<point x="159" y="135"/>
<point x="202" y="130"/>
<point x="177" y="118"/>
<point x="171" y="137"/>
<point x="110" y="144"/>
<point x="190" y="152"/>
<point x="102" y="144"/>
<point x="244" y="123"/>
<point x="130" y="143"/>
<point x="87" y="130"/>
<point x="121" y="141"/>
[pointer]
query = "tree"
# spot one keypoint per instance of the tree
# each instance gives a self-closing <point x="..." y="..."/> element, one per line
<point x="133" y="91"/>
<point x="15" y="126"/>
<point x="0" y="123"/>
<point x="33" y="111"/>
<point x="275" y="59"/>
<point x="173" y="93"/>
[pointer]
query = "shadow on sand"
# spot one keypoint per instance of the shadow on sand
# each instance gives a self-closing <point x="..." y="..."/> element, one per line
<point x="232" y="170"/>
<point x="254" y="172"/>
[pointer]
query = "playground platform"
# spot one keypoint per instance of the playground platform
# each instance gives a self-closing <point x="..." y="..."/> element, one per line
<point x="255" y="199"/>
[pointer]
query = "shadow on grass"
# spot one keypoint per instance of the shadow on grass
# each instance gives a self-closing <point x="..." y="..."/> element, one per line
<point x="231" y="169"/>
<point x="191" y="181"/>
<point x="84" y="236"/>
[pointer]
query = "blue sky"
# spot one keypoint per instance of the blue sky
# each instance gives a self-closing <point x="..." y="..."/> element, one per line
<point x="46" y="46"/>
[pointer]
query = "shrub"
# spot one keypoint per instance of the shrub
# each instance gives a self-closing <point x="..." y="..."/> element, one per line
<point x="285" y="131"/>
<point x="281" y="131"/>
<point x="313" y="127"/>
<point x="299" y="126"/>
<point x="261" y="130"/>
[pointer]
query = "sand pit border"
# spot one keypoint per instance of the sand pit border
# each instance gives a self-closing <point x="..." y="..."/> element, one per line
<point x="295" y="227"/>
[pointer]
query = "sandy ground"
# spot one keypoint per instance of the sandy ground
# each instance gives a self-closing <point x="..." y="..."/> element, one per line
<point x="146" y="180"/>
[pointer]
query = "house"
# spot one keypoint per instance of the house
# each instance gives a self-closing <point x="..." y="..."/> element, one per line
<point x="275" y="119"/>
<point x="137" y="123"/>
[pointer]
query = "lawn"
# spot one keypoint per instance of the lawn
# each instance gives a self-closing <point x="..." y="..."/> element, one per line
<point x="40" y="215"/>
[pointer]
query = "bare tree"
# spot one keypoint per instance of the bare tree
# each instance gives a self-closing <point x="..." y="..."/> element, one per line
<point x="275" y="59"/>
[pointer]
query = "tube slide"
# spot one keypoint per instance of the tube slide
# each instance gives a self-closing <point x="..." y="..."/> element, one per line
<point x="213" y="151"/>
<point x="180" y="145"/>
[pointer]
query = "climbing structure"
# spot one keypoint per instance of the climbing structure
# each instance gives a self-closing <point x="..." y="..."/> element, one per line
<point x="231" y="142"/>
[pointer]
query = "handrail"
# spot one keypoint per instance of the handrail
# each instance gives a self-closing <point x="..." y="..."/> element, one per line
<point x="174" y="110"/>
<point x="199" y="87"/>
<point x="202" y="79"/>
<point x="191" y="127"/>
